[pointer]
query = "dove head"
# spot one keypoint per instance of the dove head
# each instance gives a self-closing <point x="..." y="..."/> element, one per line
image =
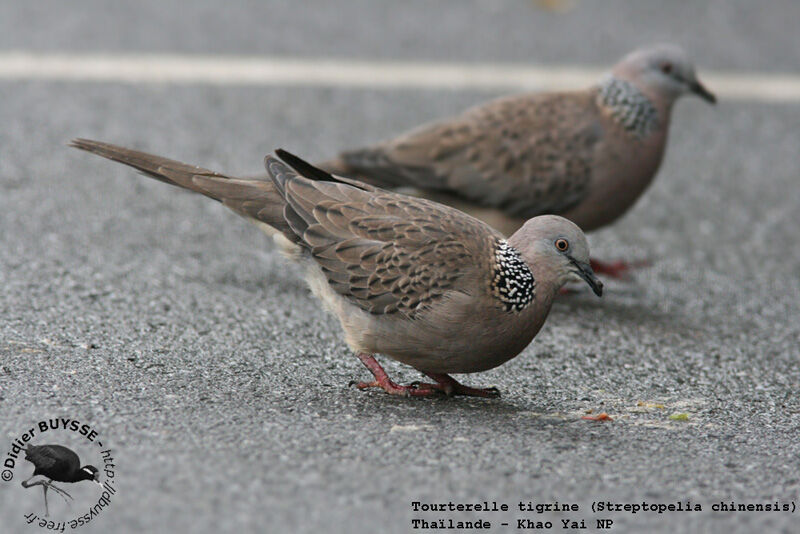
<point x="556" y="251"/>
<point x="662" y="71"/>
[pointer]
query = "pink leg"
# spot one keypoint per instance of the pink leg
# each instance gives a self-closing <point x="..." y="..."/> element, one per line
<point x="383" y="381"/>
<point x="444" y="383"/>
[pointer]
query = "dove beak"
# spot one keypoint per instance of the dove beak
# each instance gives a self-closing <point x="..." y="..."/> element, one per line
<point x="584" y="270"/>
<point x="700" y="90"/>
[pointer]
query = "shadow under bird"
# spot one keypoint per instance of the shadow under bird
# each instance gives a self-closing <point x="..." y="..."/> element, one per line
<point x="418" y="281"/>
<point x="586" y="155"/>
<point x="57" y="464"/>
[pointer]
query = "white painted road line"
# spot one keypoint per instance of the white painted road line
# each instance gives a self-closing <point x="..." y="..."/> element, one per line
<point x="273" y="71"/>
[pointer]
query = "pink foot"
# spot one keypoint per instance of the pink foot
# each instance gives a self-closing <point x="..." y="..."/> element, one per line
<point x="450" y="386"/>
<point x="383" y="381"/>
<point x="444" y="383"/>
<point x="412" y="390"/>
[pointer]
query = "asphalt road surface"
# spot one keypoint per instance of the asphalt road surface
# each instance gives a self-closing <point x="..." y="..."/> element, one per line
<point x="183" y="338"/>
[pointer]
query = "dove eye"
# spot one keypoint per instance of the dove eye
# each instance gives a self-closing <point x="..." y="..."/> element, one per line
<point x="562" y="244"/>
<point x="666" y="68"/>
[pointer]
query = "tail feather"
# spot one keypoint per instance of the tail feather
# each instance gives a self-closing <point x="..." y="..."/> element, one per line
<point x="162" y="169"/>
<point x="259" y="200"/>
<point x="256" y="200"/>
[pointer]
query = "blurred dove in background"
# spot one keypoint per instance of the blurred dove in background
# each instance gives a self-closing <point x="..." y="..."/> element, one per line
<point x="586" y="155"/>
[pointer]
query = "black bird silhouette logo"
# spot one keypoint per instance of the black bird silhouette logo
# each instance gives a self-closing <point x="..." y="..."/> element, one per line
<point x="57" y="464"/>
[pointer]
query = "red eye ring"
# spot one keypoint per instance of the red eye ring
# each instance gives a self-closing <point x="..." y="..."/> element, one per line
<point x="562" y="244"/>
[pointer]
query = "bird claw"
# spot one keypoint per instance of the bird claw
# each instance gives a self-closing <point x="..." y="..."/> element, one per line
<point x="417" y="384"/>
<point x="426" y="389"/>
<point x="363" y="385"/>
<point x="444" y="383"/>
<point x="451" y="387"/>
<point x="411" y="390"/>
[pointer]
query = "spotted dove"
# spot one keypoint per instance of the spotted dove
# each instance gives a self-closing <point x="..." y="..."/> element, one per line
<point x="415" y="280"/>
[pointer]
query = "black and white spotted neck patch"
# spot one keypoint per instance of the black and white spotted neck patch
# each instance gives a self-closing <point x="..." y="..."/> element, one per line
<point x="629" y="107"/>
<point x="512" y="280"/>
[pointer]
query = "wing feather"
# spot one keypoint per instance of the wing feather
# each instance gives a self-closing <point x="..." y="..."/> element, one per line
<point x="385" y="252"/>
<point x="526" y="155"/>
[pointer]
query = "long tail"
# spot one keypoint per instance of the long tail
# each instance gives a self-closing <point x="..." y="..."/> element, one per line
<point x="254" y="199"/>
<point x="162" y="169"/>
